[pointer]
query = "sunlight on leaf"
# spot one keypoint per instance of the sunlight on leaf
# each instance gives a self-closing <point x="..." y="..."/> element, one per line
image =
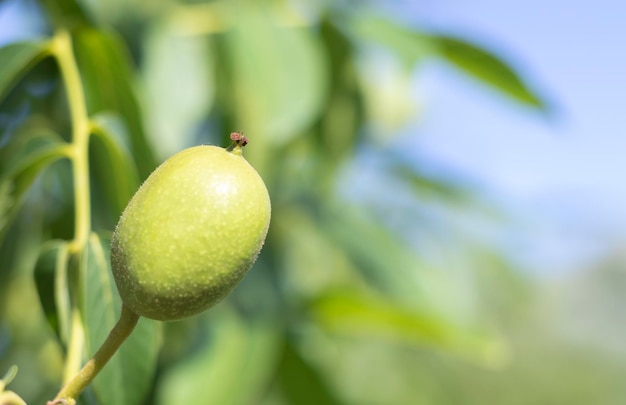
<point x="278" y="73"/>
<point x="179" y="81"/>
<point x="11" y="398"/>
<point x="357" y="314"/>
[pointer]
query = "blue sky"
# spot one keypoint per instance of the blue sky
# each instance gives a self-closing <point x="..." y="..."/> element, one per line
<point x="563" y="175"/>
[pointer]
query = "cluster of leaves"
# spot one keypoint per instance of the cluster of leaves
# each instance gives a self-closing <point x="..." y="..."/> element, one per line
<point x="334" y="280"/>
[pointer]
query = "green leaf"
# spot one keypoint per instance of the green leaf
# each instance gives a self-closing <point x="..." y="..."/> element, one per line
<point x="300" y="382"/>
<point x="11" y="398"/>
<point x="234" y="366"/>
<point x="36" y="154"/>
<point x="382" y="258"/>
<point x="425" y="185"/>
<point x="365" y="315"/>
<point x="51" y="280"/>
<point x="488" y="68"/>
<point x="8" y="377"/>
<point x="410" y="46"/>
<point x="175" y="107"/>
<point x="127" y="377"/>
<point x="107" y="76"/>
<point x="114" y="169"/>
<point x="6" y="203"/>
<point x="19" y="252"/>
<point x="22" y="169"/>
<point x="397" y="272"/>
<point x="312" y="262"/>
<point x="17" y="59"/>
<point x="343" y="113"/>
<point x="66" y="13"/>
<point x="278" y="75"/>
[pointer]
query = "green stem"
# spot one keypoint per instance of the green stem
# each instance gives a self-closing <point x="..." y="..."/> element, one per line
<point x="61" y="48"/>
<point x="75" y="347"/>
<point x="78" y="151"/>
<point x="119" y="333"/>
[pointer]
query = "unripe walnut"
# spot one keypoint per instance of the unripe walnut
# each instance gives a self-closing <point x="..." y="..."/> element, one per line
<point x="190" y="233"/>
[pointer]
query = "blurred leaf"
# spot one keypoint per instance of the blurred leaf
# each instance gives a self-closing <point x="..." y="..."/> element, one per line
<point x="389" y="96"/>
<point x="312" y="262"/>
<point x="29" y="103"/>
<point x="10" y="397"/>
<point x="410" y="46"/>
<point x="8" y="377"/>
<point x="127" y="377"/>
<point x="488" y="68"/>
<point x="343" y="113"/>
<point x="356" y="314"/>
<point x="234" y="366"/>
<point x="32" y="158"/>
<point x="179" y="79"/>
<point x="279" y="79"/>
<point x="112" y="162"/>
<point x="20" y="171"/>
<point x="51" y="280"/>
<point x="66" y="14"/>
<point x="395" y="271"/>
<point x="107" y="78"/>
<point x="17" y="59"/>
<point x="443" y="190"/>
<point x="300" y="382"/>
<point x="6" y="203"/>
<point x="20" y="250"/>
<point x="383" y="259"/>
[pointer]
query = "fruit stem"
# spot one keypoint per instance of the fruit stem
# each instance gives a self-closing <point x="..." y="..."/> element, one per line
<point x="117" y="336"/>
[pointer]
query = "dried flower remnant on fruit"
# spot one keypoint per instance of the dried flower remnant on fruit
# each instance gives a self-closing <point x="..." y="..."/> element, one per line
<point x="239" y="138"/>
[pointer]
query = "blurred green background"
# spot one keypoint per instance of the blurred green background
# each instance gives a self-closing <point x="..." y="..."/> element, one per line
<point x="393" y="272"/>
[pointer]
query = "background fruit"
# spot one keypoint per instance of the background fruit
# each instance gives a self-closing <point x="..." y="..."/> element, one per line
<point x="190" y="233"/>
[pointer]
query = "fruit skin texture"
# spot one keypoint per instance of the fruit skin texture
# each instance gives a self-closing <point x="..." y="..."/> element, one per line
<point x="190" y="233"/>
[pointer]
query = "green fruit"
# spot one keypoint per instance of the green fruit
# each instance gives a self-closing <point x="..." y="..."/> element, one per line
<point x="190" y="233"/>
